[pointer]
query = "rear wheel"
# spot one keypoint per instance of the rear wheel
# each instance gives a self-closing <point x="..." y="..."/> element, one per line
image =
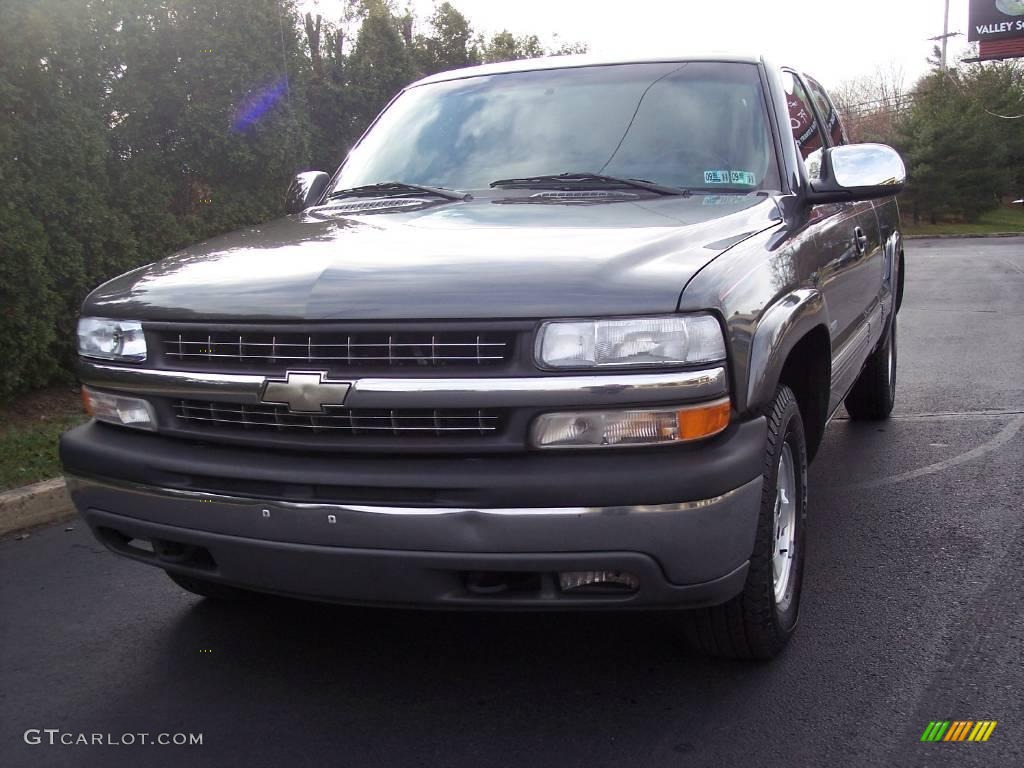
<point x="874" y="393"/>
<point x="757" y="623"/>
<point x="211" y="589"/>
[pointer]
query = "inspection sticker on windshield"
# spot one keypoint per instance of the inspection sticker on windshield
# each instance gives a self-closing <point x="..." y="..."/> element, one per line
<point x="730" y="177"/>
<point x="716" y="177"/>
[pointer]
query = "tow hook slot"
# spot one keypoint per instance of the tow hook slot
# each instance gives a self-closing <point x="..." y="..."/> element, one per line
<point x="157" y="550"/>
<point x="502" y="582"/>
<point x="172" y="551"/>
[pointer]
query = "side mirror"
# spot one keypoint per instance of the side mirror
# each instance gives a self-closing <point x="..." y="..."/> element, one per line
<point x="305" y="189"/>
<point x="858" y="172"/>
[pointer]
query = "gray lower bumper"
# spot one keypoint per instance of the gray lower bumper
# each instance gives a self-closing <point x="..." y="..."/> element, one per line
<point x="693" y="553"/>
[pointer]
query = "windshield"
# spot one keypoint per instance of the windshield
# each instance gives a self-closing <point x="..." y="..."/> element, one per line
<point x="691" y="125"/>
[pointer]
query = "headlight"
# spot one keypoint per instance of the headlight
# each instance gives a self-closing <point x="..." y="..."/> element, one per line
<point x="111" y="339"/>
<point x="118" y="409"/>
<point x="652" y="341"/>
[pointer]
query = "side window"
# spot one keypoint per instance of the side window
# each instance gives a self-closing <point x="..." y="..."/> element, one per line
<point x="806" y="129"/>
<point x="833" y="125"/>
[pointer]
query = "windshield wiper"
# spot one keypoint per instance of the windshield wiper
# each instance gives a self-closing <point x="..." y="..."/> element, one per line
<point x="392" y="188"/>
<point x="576" y="180"/>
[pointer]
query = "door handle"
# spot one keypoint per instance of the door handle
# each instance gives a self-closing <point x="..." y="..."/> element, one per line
<point x="860" y="240"/>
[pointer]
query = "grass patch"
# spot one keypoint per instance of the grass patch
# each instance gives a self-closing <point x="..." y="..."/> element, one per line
<point x="29" y="429"/>
<point x="997" y="221"/>
<point x="29" y="454"/>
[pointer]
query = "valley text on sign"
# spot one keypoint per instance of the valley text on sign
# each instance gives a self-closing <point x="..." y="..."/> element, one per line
<point x="996" y="20"/>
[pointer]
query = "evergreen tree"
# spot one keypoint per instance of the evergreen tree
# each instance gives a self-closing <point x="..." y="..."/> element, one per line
<point x="961" y="156"/>
<point x="449" y="44"/>
<point x="131" y="128"/>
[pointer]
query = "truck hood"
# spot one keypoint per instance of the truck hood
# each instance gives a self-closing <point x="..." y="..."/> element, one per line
<point x="496" y="256"/>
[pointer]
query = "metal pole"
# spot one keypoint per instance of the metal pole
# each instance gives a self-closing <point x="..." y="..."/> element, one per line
<point x="945" y="36"/>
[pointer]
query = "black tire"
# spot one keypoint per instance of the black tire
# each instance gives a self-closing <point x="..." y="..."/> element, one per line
<point x="874" y="393"/>
<point x="754" y="624"/>
<point x="210" y="589"/>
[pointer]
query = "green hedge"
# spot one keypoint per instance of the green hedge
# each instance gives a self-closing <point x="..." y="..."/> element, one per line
<point x="130" y="128"/>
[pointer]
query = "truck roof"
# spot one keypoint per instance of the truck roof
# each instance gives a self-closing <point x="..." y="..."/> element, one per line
<point x="583" y="60"/>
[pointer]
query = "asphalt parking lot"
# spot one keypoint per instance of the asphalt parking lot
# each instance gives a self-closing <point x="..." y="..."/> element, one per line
<point x="914" y="611"/>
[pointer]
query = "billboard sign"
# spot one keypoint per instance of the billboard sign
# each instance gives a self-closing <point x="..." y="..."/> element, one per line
<point x="996" y="20"/>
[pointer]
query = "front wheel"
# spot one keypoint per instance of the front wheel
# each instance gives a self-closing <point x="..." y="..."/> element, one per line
<point x="757" y="623"/>
<point x="874" y="393"/>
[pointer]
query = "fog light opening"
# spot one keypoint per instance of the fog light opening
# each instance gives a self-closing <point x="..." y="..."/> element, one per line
<point x="597" y="581"/>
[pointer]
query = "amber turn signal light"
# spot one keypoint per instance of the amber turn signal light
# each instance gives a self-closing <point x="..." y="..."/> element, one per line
<point x="703" y="420"/>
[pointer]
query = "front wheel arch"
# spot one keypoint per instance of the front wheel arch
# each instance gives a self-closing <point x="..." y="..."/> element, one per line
<point x="807" y="371"/>
<point x="899" y="282"/>
<point x="792" y="346"/>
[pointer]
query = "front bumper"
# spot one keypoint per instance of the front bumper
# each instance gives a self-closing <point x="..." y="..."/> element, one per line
<point x="681" y="520"/>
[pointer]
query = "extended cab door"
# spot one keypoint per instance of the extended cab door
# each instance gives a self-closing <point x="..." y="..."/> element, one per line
<point x="847" y="258"/>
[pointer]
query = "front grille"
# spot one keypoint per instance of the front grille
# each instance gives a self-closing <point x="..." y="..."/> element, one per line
<point x="225" y="350"/>
<point x="406" y="422"/>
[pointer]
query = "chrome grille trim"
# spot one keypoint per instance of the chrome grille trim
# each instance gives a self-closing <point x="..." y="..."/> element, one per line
<point x="398" y="422"/>
<point x="598" y="390"/>
<point x="81" y="484"/>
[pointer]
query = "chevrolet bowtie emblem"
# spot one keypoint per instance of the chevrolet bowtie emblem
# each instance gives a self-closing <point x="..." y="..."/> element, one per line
<point x="305" y="392"/>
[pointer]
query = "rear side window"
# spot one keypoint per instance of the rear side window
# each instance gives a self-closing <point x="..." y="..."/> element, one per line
<point x="807" y="133"/>
<point x="833" y="124"/>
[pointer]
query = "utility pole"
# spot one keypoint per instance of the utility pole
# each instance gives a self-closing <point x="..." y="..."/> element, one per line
<point x="945" y="36"/>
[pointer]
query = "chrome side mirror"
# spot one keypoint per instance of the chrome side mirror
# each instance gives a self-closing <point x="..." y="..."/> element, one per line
<point x="305" y="190"/>
<point x="858" y="172"/>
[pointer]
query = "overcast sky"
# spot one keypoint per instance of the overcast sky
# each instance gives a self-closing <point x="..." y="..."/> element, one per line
<point x="833" y="40"/>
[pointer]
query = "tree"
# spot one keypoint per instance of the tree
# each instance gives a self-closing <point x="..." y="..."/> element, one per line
<point x="449" y="44"/>
<point x="129" y="128"/>
<point x="872" y="106"/>
<point x="504" y="46"/>
<point x="958" y="130"/>
<point x="959" y="154"/>
<point x="60" y="228"/>
<point x="381" y="64"/>
<point x="567" y="49"/>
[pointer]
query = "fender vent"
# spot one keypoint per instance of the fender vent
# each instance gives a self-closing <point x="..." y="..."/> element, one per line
<point x="373" y="206"/>
<point x="585" y="195"/>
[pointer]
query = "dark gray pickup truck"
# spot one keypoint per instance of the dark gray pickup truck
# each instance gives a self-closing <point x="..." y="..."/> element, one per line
<point x="558" y="334"/>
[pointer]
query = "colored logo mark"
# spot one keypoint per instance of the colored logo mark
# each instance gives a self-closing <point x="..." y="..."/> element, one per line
<point x="958" y="730"/>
